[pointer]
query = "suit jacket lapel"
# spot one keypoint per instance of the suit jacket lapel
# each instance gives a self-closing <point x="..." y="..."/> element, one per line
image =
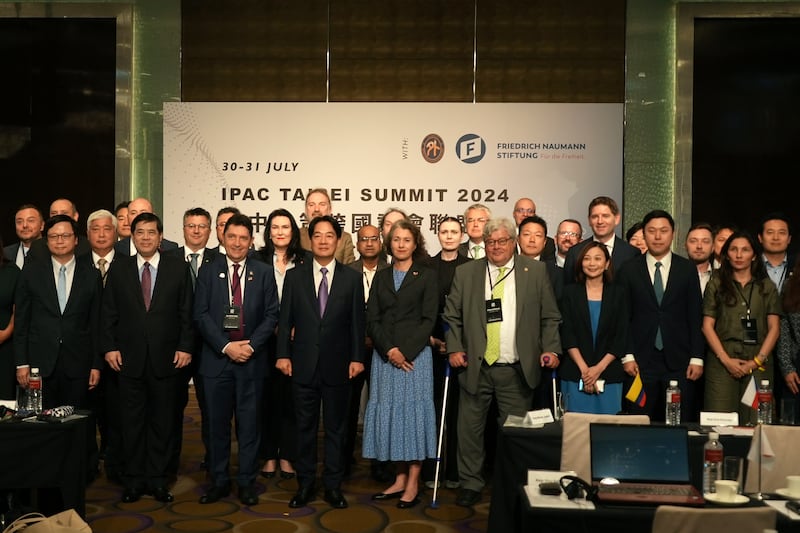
<point x="479" y="288"/>
<point x="521" y="283"/>
<point x="411" y="276"/>
<point x="136" y="283"/>
<point x="47" y="268"/>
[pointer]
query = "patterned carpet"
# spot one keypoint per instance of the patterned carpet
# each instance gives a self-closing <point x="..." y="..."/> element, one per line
<point x="105" y="513"/>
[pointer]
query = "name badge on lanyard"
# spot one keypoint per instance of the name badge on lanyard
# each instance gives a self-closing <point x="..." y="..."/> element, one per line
<point x="494" y="310"/>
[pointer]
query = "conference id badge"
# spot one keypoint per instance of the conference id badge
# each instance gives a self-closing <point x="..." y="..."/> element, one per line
<point x="494" y="310"/>
<point x="750" y="337"/>
<point x="232" y="319"/>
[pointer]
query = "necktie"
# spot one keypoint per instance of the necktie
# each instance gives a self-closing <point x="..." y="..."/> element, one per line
<point x="493" y="328"/>
<point x="193" y="265"/>
<point x="62" y="288"/>
<point x="322" y="295"/>
<point x="101" y="266"/>
<point x="236" y="297"/>
<point x="658" y="288"/>
<point x="476" y="252"/>
<point x="147" y="282"/>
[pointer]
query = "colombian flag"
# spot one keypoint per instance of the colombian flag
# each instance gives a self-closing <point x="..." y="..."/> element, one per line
<point x="636" y="393"/>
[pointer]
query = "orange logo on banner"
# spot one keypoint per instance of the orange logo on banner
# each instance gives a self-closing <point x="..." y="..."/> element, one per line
<point x="432" y="148"/>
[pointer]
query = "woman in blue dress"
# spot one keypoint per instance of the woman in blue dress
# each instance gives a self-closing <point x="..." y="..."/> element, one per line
<point x="594" y="313"/>
<point x="400" y="422"/>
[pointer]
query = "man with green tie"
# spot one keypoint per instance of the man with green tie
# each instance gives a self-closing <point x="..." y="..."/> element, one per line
<point x="504" y="321"/>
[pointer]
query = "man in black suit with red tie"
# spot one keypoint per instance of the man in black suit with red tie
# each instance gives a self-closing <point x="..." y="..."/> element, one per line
<point x="147" y="337"/>
<point x="321" y="345"/>
<point x="236" y="309"/>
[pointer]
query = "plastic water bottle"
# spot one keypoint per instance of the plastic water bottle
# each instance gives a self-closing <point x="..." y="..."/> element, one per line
<point x="35" y="391"/>
<point x="673" y="415"/>
<point x="765" y="402"/>
<point x="712" y="462"/>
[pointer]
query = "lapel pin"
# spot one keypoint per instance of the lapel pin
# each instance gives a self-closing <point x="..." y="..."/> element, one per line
<point x="415" y="273"/>
<point x="526" y="269"/>
<point x="222" y="275"/>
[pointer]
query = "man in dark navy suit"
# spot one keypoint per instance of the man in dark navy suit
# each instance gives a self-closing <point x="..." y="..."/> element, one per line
<point x="321" y="345"/>
<point x="56" y="319"/>
<point x="147" y="337"/>
<point x="196" y="232"/>
<point x="28" y="222"/>
<point x="604" y="217"/>
<point x="236" y="309"/>
<point x="666" y="341"/>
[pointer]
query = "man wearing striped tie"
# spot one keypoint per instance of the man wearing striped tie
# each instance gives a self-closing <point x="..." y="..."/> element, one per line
<point x="504" y="321"/>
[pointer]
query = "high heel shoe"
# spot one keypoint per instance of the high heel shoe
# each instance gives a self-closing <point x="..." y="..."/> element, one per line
<point x="381" y="496"/>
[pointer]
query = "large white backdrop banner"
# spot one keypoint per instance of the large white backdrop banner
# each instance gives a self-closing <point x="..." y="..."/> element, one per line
<point x="430" y="159"/>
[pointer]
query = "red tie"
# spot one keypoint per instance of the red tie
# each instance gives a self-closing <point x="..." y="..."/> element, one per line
<point x="236" y="290"/>
<point x="146" y="284"/>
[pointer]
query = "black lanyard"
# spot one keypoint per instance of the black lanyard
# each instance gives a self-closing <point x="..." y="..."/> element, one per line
<point x="749" y="298"/>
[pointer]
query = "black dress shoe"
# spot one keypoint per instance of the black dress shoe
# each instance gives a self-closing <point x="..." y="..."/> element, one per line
<point x="335" y="498"/>
<point x="287" y="475"/>
<point x="162" y="494"/>
<point x="247" y="495"/>
<point x="131" y="495"/>
<point x="269" y="474"/>
<point x="215" y="494"/>
<point x="381" y="496"/>
<point x="402" y="504"/>
<point x="302" y="497"/>
<point x="468" y="498"/>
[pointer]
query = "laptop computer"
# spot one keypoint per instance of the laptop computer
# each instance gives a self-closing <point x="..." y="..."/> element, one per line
<point x="650" y="462"/>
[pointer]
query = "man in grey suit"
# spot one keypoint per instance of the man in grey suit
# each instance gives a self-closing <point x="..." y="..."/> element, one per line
<point x="504" y="321"/>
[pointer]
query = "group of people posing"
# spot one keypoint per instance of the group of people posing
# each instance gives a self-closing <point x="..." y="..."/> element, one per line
<point x="274" y="337"/>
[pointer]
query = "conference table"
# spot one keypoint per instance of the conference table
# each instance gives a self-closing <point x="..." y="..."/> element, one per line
<point x="522" y="449"/>
<point x="47" y="455"/>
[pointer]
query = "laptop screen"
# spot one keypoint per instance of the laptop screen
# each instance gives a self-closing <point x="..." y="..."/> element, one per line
<point x="639" y="453"/>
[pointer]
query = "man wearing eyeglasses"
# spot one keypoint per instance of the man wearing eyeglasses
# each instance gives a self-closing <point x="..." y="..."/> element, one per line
<point x="524" y="208"/>
<point x="56" y="320"/>
<point x="475" y="218"/>
<point x="568" y="234"/>
<point x="196" y="233"/>
<point x="504" y="321"/>
<point x="368" y="244"/>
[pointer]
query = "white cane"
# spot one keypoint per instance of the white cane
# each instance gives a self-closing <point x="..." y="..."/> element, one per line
<point x="434" y="501"/>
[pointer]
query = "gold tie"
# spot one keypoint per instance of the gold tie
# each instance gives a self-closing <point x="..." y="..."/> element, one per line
<point x="101" y="266"/>
<point x="493" y="328"/>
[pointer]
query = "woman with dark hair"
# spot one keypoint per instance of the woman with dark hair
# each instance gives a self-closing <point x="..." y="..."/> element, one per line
<point x="400" y="422"/>
<point x="635" y="236"/>
<point x="9" y="273"/>
<point x="595" y="316"/>
<point x="282" y="250"/>
<point x="741" y="324"/>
